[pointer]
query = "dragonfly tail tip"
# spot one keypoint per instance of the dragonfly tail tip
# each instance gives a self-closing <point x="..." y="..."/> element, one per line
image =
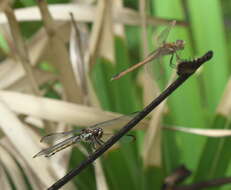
<point x="112" y="78"/>
<point x="115" y="77"/>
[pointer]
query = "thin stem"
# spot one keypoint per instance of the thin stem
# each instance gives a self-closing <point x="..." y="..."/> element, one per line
<point x="22" y="52"/>
<point x="132" y="123"/>
<point x="205" y="184"/>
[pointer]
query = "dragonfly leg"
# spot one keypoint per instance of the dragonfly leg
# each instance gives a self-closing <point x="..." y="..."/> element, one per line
<point x="99" y="141"/>
<point x="93" y="145"/>
<point x="94" y="142"/>
<point x="102" y="142"/>
<point x="133" y="137"/>
<point x="171" y="61"/>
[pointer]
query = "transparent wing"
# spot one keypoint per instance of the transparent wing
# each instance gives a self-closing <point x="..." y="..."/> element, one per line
<point x="57" y="136"/>
<point x="125" y="139"/>
<point x="115" y="121"/>
<point x="154" y="69"/>
<point x="57" y="147"/>
<point x="162" y="37"/>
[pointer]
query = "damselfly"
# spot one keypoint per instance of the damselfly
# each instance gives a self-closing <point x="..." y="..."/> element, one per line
<point x="164" y="48"/>
<point x="92" y="135"/>
<point x="189" y="67"/>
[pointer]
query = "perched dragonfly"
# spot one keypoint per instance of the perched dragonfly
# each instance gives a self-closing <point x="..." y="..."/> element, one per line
<point x="92" y="135"/>
<point x="189" y="67"/>
<point x="163" y="49"/>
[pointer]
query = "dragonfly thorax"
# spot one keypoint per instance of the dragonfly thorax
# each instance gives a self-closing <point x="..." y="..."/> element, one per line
<point x="89" y="134"/>
<point x="170" y="48"/>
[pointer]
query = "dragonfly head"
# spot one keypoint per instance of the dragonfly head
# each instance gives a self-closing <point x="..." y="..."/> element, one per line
<point x="180" y="44"/>
<point x="98" y="132"/>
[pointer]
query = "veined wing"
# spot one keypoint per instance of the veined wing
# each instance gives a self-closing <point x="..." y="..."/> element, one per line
<point x="48" y="152"/>
<point x="57" y="136"/>
<point x="162" y="37"/>
<point x="125" y="139"/>
<point x="117" y="120"/>
<point x="153" y="55"/>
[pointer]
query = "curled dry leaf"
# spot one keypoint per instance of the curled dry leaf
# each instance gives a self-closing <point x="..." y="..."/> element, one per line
<point x="21" y="139"/>
<point x="4" y="182"/>
<point x="79" y="38"/>
<point x="31" y="175"/>
<point x="59" y="111"/>
<point x="12" y="168"/>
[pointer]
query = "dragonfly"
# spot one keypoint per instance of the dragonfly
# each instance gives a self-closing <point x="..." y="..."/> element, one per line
<point x="164" y="48"/>
<point x="92" y="135"/>
<point x="190" y="66"/>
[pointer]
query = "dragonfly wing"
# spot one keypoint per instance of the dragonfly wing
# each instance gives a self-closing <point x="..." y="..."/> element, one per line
<point x="47" y="152"/>
<point x="115" y="121"/>
<point x="125" y="139"/>
<point x="57" y="136"/>
<point x="162" y="37"/>
<point x="153" y="68"/>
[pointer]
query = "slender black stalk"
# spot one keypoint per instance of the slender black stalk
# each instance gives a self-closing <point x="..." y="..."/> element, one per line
<point x="205" y="184"/>
<point x="169" y="90"/>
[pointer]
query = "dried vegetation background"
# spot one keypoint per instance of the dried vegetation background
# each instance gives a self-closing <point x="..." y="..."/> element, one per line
<point x="55" y="74"/>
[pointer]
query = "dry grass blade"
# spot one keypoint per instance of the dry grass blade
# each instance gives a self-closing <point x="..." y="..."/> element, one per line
<point x="150" y="87"/>
<point x="60" y="56"/>
<point x="118" y="27"/>
<point x="96" y="33"/>
<point x="142" y="10"/>
<point x="4" y="183"/>
<point x="22" y="53"/>
<point x="20" y="138"/>
<point x="224" y="107"/>
<point x="86" y="13"/>
<point x="127" y="15"/>
<point x="11" y="72"/>
<point x="101" y="182"/>
<point x="92" y="94"/>
<point x="152" y="141"/>
<point x="106" y="48"/>
<point x="56" y="110"/>
<point x="32" y="177"/>
<point x="12" y="168"/>
<point x="22" y="85"/>
<point x="202" y="132"/>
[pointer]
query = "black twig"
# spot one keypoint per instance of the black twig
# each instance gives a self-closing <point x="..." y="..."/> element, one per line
<point x="169" y="90"/>
<point x="204" y="184"/>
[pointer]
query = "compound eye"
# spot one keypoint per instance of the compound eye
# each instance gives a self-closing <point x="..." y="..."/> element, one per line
<point x="180" y="42"/>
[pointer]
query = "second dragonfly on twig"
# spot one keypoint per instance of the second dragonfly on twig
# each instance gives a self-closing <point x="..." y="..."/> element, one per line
<point x="164" y="48"/>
